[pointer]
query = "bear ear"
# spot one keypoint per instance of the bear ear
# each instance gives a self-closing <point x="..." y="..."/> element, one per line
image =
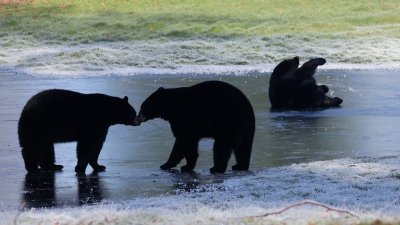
<point x="125" y="99"/>
<point x="296" y="60"/>
<point x="160" y="89"/>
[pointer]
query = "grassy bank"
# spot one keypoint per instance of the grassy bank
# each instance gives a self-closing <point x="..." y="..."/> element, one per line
<point x="121" y="20"/>
<point x="74" y="37"/>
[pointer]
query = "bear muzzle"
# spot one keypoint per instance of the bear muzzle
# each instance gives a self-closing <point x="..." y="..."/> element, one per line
<point x="139" y="119"/>
<point x="131" y="122"/>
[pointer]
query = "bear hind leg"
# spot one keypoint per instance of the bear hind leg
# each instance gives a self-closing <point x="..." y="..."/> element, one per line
<point x="191" y="154"/>
<point x="242" y="153"/>
<point x="222" y="152"/>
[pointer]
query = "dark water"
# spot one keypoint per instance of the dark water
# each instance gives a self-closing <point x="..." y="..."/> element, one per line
<point x="366" y="125"/>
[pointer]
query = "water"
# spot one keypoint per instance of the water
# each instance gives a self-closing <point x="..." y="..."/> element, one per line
<point x="365" y="127"/>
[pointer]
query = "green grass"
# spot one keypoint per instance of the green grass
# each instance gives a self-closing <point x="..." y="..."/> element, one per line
<point x="120" y="20"/>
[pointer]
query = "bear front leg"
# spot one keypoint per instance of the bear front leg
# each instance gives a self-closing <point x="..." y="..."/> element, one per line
<point x="331" y="102"/>
<point x="323" y="88"/>
<point x="176" y="155"/>
<point x="94" y="155"/>
<point x="82" y="153"/>
<point x="88" y="150"/>
<point x="47" y="158"/>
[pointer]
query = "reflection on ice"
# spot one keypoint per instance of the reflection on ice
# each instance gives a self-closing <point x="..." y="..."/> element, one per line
<point x="40" y="190"/>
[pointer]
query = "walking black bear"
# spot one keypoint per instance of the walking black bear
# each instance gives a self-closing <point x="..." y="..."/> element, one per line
<point x="54" y="116"/>
<point x="210" y="109"/>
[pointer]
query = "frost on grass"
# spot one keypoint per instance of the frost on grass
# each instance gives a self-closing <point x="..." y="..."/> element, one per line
<point x="367" y="187"/>
<point x="213" y="55"/>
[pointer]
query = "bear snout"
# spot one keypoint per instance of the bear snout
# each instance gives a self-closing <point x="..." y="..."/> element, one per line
<point x="139" y="119"/>
<point x="133" y="122"/>
<point x="130" y="119"/>
<point x="136" y="122"/>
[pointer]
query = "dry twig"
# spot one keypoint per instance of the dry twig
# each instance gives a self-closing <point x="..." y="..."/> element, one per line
<point x="309" y="202"/>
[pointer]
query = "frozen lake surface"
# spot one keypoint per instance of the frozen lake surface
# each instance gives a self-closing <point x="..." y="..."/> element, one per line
<point x="345" y="157"/>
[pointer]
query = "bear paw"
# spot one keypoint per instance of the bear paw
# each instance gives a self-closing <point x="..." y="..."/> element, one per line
<point x="80" y="169"/>
<point x="99" y="168"/>
<point x="32" y="170"/>
<point x="336" y="101"/>
<point x="52" y="167"/>
<point x="214" y="170"/>
<point x="186" y="168"/>
<point x="166" y="166"/>
<point x="239" y="167"/>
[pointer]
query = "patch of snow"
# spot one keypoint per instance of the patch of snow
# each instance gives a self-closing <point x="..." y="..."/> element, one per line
<point x="238" y="56"/>
<point x="368" y="187"/>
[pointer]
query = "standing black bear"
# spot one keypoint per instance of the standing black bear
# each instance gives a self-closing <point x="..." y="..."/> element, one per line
<point x="54" y="116"/>
<point x="210" y="109"/>
<point x="291" y="87"/>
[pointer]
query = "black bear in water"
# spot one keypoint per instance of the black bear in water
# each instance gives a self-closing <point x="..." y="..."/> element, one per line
<point x="291" y="87"/>
<point x="211" y="109"/>
<point x="54" y="116"/>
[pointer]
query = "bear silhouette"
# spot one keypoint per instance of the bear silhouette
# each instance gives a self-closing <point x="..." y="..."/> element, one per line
<point x="54" y="116"/>
<point x="212" y="109"/>
<point x="291" y="87"/>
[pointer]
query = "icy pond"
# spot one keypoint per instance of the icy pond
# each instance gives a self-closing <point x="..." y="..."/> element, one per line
<point x="337" y="156"/>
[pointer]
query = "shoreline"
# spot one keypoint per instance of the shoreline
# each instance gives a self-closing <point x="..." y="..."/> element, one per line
<point x="193" y="70"/>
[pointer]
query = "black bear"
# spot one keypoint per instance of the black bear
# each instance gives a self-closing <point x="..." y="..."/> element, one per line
<point x="54" y="116"/>
<point x="211" y="109"/>
<point x="291" y="87"/>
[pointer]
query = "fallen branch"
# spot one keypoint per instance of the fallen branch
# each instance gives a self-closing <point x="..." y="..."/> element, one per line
<point x="309" y="202"/>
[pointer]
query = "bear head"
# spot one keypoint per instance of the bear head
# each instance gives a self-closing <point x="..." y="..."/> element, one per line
<point x="151" y="108"/>
<point x="123" y="112"/>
